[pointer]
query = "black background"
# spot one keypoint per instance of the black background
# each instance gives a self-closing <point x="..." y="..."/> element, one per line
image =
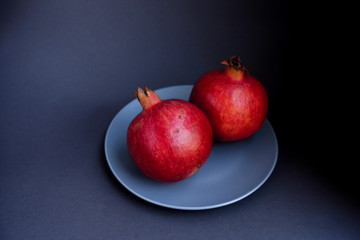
<point x="67" y="67"/>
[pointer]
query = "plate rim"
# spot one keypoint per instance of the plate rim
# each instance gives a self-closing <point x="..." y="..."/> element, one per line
<point x="172" y="206"/>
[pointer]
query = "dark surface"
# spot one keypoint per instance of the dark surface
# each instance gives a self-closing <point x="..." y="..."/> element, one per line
<point x="67" y="67"/>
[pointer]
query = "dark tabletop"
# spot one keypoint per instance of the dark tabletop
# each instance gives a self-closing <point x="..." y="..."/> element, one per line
<point x="67" y="67"/>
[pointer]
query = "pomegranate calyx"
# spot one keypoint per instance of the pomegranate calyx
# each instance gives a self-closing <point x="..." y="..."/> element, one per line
<point x="234" y="68"/>
<point x="146" y="97"/>
<point x="235" y="63"/>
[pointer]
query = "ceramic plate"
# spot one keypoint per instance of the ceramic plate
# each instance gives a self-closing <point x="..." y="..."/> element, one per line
<point x="233" y="170"/>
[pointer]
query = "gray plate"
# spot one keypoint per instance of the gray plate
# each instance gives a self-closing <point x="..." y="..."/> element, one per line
<point x="233" y="170"/>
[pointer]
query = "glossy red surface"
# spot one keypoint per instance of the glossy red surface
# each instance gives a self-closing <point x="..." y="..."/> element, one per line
<point x="170" y="140"/>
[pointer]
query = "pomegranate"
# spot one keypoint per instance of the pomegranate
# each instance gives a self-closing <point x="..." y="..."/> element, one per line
<point x="170" y="139"/>
<point x="234" y="101"/>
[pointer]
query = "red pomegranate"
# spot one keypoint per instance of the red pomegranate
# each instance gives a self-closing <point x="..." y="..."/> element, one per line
<point x="234" y="101"/>
<point x="170" y="139"/>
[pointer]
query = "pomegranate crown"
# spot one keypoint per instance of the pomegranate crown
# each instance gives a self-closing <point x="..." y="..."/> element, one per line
<point x="146" y="97"/>
<point x="141" y="92"/>
<point x="235" y="63"/>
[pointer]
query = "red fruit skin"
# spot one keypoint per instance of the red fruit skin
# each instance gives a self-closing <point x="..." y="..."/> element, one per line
<point x="236" y="106"/>
<point x="170" y="140"/>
